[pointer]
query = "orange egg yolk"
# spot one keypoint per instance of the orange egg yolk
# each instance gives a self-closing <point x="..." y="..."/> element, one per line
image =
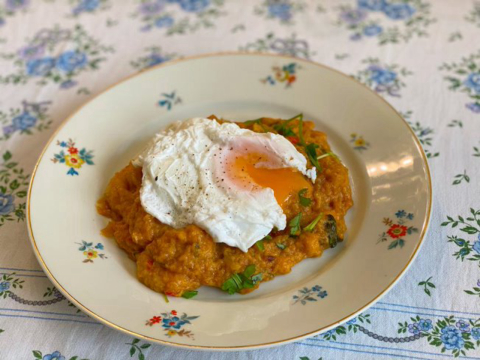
<point x="283" y="181"/>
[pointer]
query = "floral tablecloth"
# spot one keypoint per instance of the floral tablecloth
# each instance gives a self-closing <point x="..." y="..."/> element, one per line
<point x="423" y="56"/>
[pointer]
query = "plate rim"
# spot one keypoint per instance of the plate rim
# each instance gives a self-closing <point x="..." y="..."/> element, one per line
<point x="237" y="347"/>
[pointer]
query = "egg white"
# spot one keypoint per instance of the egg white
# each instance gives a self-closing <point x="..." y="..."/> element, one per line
<point x="183" y="180"/>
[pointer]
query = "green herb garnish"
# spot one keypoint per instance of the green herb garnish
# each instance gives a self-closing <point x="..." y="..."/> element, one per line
<point x="259" y="245"/>
<point x="245" y="280"/>
<point x="165" y="298"/>
<point x="328" y="154"/>
<point x="189" y="294"/>
<point x="256" y="121"/>
<point x="295" y="225"/>
<point x="331" y="229"/>
<point x="257" y="278"/>
<point x="303" y="200"/>
<point x="282" y="128"/>
<point x="312" y="225"/>
<point x="267" y="237"/>
<point x="300" y="131"/>
<point x="311" y="150"/>
<point x="281" y="246"/>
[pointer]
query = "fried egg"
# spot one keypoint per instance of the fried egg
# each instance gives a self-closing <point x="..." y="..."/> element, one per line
<point x="229" y="181"/>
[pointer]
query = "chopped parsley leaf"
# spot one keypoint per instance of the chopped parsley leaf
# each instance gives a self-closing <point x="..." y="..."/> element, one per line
<point x="294" y="224"/>
<point x="303" y="200"/>
<point x="189" y="294"/>
<point x="281" y="246"/>
<point x="259" y="245"/>
<point x="312" y="225"/>
<point x="245" y="280"/>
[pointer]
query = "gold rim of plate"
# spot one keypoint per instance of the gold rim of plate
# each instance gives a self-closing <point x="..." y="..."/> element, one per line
<point x="187" y="346"/>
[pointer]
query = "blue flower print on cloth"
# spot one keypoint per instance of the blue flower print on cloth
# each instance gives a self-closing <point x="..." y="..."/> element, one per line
<point x="383" y="78"/>
<point x="452" y="338"/>
<point x="464" y="76"/>
<point x="372" y="5"/>
<point x="6" y="204"/>
<point x="89" y="6"/>
<point x="4" y="286"/>
<point x="28" y="119"/>
<point x="57" y="56"/>
<point x="13" y="190"/>
<point x="425" y="325"/>
<point x="153" y="56"/>
<point x="283" y="11"/>
<point x="399" y="11"/>
<point x="353" y="16"/>
<point x="463" y="326"/>
<point x="24" y="121"/>
<point x="372" y="30"/>
<point x="54" y="356"/>
<point x="389" y="21"/>
<point x="179" y="16"/>
<point x="476" y="245"/>
<point x="9" y="8"/>
<point x="473" y="82"/>
<point x="193" y="5"/>
<point x="71" y="60"/>
<point x="13" y="5"/>
<point x="40" y="67"/>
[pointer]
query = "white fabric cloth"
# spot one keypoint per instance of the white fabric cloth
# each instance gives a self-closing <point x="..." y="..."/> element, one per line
<point x="375" y="40"/>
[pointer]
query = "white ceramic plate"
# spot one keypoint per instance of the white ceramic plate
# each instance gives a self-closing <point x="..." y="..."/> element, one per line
<point x="389" y="176"/>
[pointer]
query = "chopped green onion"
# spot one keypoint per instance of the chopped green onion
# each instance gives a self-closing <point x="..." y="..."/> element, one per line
<point x="282" y="128"/>
<point x="189" y="294"/>
<point x="249" y="271"/>
<point x="328" y="154"/>
<point x="256" y="121"/>
<point x="166" y="298"/>
<point x="311" y="150"/>
<point x="281" y="246"/>
<point x="312" y="225"/>
<point x="303" y="200"/>
<point x="300" y="131"/>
